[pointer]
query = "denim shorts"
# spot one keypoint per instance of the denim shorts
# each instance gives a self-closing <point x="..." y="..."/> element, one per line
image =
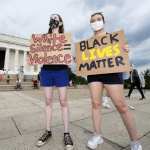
<point x="58" y="78"/>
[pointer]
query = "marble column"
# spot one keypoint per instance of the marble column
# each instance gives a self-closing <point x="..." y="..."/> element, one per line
<point x="25" y="61"/>
<point x="16" y="61"/>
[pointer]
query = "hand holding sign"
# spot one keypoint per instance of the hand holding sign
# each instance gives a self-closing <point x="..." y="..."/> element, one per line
<point x="125" y="47"/>
<point x="101" y="55"/>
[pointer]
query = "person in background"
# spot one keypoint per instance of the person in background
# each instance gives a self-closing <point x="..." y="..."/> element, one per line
<point x="18" y="83"/>
<point x="1" y="75"/>
<point x="8" y="79"/>
<point x="135" y="82"/>
<point x="35" y="82"/>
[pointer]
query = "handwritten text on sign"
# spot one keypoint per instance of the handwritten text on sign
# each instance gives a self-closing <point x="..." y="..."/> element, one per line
<point x="102" y="55"/>
<point x="50" y="49"/>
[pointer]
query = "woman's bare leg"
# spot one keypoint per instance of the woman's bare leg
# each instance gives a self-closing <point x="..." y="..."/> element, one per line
<point x="96" y="89"/>
<point x="117" y="96"/>
<point x="48" y="91"/>
<point x="64" y="107"/>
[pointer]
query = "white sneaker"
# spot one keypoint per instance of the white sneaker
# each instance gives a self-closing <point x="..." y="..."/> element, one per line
<point x="95" y="141"/>
<point x="106" y="105"/>
<point x="131" y="107"/>
<point x="105" y="102"/>
<point x="136" y="146"/>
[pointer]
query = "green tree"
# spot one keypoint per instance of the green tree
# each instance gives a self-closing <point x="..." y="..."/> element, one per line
<point x="77" y="80"/>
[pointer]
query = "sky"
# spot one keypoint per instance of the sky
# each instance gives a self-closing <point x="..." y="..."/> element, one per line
<point x="25" y="17"/>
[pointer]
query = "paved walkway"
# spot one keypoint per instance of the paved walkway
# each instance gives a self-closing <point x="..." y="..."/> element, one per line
<point x="22" y="121"/>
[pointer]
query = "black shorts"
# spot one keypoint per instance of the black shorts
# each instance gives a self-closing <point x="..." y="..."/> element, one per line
<point x="112" y="78"/>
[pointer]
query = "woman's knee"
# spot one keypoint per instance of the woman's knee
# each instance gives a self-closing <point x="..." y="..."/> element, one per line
<point x="63" y="102"/>
<point x="48" y="101"/>
<point x="122" y="107"/>
<point x="96" y="104"/>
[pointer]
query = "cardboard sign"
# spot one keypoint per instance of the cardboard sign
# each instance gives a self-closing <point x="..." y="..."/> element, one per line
<point x="50" y="49"/>
<point x="102" y="55"/>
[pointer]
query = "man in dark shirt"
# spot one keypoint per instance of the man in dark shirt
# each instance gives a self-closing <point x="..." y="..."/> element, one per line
<point x="135" y="82"/>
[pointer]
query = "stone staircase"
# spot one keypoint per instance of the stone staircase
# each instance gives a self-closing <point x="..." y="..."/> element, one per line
<point x="11" y="86"/>
<point x="4" y="86"/>
<point x="26" y="85"/>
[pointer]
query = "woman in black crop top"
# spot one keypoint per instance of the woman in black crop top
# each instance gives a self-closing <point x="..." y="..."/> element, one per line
<point x="113" y="83"/>
<point x="55" y="75"/>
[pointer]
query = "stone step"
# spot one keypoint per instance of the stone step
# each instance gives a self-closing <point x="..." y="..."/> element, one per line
<point x="12" y="87"/>
<point x="14" y="83"/>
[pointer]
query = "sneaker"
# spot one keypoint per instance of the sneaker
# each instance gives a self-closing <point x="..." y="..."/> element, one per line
<point x="142" y="98"/>
<point x="127" y="96"/>
<point x="44" y="138"/>
<point x="105" y="102"/>
<point x="106" y="105"/>
<point x="94" y="142"/>
<point x="68" y="141"/>
<point x="136" y="146"/>
<point x="131" y="107"/>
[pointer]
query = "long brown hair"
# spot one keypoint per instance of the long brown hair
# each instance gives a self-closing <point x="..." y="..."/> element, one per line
<point x="61" y="28"/>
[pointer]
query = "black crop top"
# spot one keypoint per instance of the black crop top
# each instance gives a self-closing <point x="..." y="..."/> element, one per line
<point x="54" y="67"/>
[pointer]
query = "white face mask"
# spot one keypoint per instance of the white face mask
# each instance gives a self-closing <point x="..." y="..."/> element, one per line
<point x="97" y="25"/>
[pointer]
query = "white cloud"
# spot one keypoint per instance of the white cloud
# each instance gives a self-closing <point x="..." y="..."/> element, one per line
<point x="24" y="17"/>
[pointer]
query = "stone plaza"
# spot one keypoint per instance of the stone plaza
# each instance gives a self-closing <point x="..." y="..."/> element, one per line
<point x="22" y="121"/>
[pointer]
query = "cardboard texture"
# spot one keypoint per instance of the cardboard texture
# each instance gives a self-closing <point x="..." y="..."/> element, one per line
<point x="102" y="55"/>
<point x="50" y="49"/>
